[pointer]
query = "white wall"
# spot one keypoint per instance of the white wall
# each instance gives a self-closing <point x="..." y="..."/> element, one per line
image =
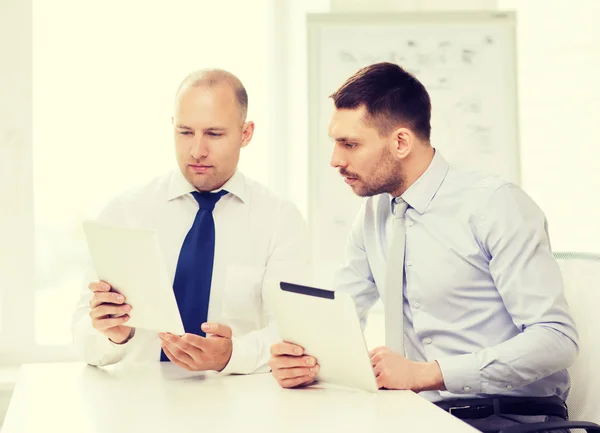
<point x="16" y="236"/>
<point x="559" y="103"/>
<point x="297" y="97"/>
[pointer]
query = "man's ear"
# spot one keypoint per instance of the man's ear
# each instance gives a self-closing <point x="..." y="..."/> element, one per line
<point x="247" y="133"/>
<point x="403" y="141"/>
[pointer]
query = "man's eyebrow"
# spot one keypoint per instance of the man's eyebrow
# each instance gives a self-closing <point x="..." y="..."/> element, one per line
<point x="346" y="139"/>
<point x="211" y="128"/>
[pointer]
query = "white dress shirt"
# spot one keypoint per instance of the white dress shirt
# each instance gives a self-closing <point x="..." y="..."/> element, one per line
<point x="259" y="237"/>
<point x="483" y="295"/>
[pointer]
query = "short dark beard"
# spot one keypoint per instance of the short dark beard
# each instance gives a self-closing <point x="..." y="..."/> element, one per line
<point x="387" y="177"/>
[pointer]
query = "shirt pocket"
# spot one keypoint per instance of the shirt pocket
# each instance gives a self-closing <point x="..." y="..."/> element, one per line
<point x="243" y="287"/>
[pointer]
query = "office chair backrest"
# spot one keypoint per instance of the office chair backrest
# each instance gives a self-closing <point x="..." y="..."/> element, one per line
<point x="581" y="276"/>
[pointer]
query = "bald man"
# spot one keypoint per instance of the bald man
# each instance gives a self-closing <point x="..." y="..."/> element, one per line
<point x="221" y="235"/>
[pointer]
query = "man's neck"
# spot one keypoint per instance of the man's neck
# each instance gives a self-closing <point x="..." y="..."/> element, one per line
<point x="415" y="167"/>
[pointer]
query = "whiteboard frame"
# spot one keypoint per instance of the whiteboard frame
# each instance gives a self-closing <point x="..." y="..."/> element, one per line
<point x="318" y="21"/>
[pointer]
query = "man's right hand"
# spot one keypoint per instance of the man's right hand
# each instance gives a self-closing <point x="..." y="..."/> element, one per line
<point x="104" y="304"/>
<point x="290" y="367"/>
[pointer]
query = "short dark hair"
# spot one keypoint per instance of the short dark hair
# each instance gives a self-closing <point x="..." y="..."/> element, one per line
<point x="391" y="96"/>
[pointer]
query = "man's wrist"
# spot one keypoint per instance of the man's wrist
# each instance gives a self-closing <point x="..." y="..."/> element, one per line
<point x="129" y="337"/>
<point x="224" y="366"/>
<point x="429" y="377"/>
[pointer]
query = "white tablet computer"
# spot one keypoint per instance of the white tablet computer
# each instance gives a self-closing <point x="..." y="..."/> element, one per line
<point x="129" y="259"/>
<point x="326" y="324"/>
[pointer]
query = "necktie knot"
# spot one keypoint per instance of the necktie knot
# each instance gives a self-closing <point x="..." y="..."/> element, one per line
<point x="399" y="207"/>
<point x="207" y="200"/>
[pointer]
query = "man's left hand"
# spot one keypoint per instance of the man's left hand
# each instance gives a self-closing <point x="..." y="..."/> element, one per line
<point x="394" y="371"/>
<point x="196" y="353"/>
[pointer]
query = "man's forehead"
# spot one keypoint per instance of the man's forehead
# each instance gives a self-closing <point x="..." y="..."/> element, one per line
<point x="204" y="97"/>
<point x="206" y="106"/>
<point x="346" y="122"/>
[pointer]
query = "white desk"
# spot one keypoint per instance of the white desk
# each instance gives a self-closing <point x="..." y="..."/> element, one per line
<point x="163" y="398"/>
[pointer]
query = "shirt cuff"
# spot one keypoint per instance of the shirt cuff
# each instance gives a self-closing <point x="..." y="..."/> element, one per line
<point x="127" y="340"/>
<point x="102" y="351"/>
<point x="93" y="347"/>
<point x="238" y="362"/>
<point x="461" y="374"/>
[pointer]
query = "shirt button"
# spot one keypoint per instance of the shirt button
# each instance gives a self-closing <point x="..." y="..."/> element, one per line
<point x="467" y="389"/>
<point x="427" y="340"/>
<point x="409" y="263"/>
<point x="508" y="386"/>
<point x="410" y="223"/>
<point x="417" y="305"/>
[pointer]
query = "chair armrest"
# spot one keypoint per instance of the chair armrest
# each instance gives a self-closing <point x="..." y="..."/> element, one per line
<point x="590" y="427"/>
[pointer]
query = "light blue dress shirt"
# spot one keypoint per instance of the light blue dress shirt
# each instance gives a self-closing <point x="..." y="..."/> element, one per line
<point x="483" y="295"/>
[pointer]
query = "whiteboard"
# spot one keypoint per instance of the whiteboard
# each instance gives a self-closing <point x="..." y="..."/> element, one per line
<point x="467" y="62"/>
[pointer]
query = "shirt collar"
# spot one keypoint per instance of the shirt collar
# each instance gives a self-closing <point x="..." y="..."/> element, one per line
<point x="421" y="193"/>
<point x="179" y="185"/>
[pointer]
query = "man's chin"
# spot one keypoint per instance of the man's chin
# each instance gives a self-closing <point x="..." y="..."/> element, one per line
<point x="357" y="190"/>
<point x="202" y="182"/>
<point x="363" y="191"/>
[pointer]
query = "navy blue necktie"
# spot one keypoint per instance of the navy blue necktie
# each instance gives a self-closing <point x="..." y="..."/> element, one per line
<point x="195" y="265"/>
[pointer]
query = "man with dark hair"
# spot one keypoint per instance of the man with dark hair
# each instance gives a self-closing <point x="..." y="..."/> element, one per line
<point x="475" y="314"/>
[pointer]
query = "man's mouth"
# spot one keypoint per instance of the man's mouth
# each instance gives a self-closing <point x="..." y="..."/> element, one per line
<point x="200" y="168"/>
<point x="350" y="180"/>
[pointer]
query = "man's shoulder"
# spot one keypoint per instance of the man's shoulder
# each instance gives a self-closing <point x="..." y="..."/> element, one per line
<point x="477" y="185"/>
<point x="471" y="192"/>
<point x="264" y="197"/>
<point x="475" y="179"/>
